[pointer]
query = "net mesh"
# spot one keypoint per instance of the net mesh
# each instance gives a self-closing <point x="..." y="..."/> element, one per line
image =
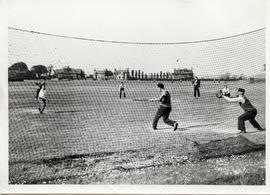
<point x="87" y="130"/>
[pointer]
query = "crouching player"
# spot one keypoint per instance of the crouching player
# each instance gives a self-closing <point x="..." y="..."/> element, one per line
<point x="250" y="111"/>
<point x="40" y="96"/>
<point x="164" y="108"/>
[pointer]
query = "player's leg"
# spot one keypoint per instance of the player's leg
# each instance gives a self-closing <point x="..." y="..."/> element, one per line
<point x="254" y="123"/>
<point x="44" y="105"/>
<point x="168" y="121"/>
<point x="241" y="121"/>
<point x="40" y="103"/>
<point x="198" y="90"/>
<point x="194" y="94"/>
<point x="159" y="113"/>
<point x="120" y="93"/>
<point x="124" y="93"/>
<point x="166" y="115"/>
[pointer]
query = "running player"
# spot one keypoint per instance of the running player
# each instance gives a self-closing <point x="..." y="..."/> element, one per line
<point x="250" y="111"/>
<point x="122" y="90"/>
<point x="164" y="109"/>
<point x="40" y="96"/>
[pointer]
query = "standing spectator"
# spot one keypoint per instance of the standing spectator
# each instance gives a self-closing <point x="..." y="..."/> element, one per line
<point x="196" y="85"/>
<point x="122" y="90"/>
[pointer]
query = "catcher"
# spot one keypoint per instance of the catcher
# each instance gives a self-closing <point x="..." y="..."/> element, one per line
<point x="164" y="109"/>
<point x="250" y="111"/>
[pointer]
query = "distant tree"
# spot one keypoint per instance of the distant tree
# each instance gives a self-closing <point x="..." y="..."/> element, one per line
<point x="145" y="76"/>
<point x="160" y="74"/>
<point x="67" y="68"/>
<point x="142" y="75"/>
<point x="234" y="77"/>
<point x="132" y="73"/>
<point x="83" y="74"/>
<point x="128" y="73"/>
<point x="50" y="70"/>
<point x="139" y="74"/>
<point x="136" y="74"/>
<point x="30" y="75"/>
<point x="225" y="76"/>
<point x="19" y="66"/>
<point x="39" y="70"/>
<point x="108" y="73"/>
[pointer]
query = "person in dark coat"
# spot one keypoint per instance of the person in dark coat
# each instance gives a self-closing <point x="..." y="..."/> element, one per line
<point x="250" y="111"/>
<point x="164" y="109"/>
<point x="196" y="85"/>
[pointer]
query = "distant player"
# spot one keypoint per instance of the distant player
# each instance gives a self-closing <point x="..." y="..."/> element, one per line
<point x="122" y="90"/>
<point x="249" y="109"/>
<point x="40" y="96"/>
<point x="196" y="85"/>
<point x="164" y="109"/>
<point x="226" y="91"/>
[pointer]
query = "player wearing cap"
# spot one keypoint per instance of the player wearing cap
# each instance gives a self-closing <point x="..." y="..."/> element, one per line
<point x="164" y="109"/>
<point x="249" y="109"/>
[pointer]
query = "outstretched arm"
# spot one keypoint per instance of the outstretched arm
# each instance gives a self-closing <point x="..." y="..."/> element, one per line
<point x="237" y="99"/>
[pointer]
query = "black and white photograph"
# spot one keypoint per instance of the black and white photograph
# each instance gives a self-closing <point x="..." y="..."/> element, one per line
<point x="136" y="92"/>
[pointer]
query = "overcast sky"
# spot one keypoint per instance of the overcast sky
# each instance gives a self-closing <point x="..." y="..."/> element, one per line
<point x="140" y="21"/>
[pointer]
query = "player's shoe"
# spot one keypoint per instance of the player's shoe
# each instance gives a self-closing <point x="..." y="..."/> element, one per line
<point x="261" y="129"/>
<point x="243" y="131"/>
<point x="175" y="126"/>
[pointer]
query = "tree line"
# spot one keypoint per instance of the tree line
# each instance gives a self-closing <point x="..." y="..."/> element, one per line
<point x="19" y="71"/>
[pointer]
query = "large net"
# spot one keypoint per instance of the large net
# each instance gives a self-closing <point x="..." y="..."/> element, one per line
<point x="88" y="130"/>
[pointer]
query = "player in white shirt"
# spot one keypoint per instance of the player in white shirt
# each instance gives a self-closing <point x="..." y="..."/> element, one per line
<point x="226" y="91"/>
<point x="40" y="96"/>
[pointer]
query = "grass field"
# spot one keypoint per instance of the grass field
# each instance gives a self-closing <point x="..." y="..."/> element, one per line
<point x="89" y="135"/>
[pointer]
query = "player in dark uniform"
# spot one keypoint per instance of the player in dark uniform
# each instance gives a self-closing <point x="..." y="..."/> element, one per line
<point x="122" y="90"/>
<point x="196" y="84"/>
<point x="249" y="109"/>
<point x="164" y="109"/>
